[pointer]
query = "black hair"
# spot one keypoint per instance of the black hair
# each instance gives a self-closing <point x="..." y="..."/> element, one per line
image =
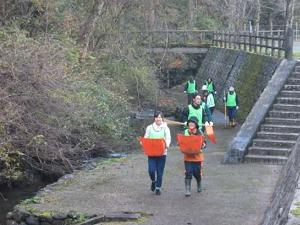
<point x="195" y="95"/>
<point x="157" y="113"/>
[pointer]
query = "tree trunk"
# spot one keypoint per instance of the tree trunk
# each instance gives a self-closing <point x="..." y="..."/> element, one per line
<point x="90" y="25"/>
<point x="152" y="15"/>
<point x="191" y="13"/>
<point x="2" y="11"/>
<point x="288" y="14"/>
<point x="258" y="11"/>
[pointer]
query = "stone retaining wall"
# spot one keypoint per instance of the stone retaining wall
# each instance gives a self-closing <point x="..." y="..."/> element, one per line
<point x="249" y="73"/>
<point x="239" y="145"/>
<point x="278" y="212"/>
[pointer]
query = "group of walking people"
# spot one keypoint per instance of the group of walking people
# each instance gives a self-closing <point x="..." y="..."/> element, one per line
<point x="192" y="162"/>
<point x="198" y="115"/>
<point x="208" y="95"/>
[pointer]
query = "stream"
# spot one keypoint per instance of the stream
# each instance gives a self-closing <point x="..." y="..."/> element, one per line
<point x="11" y="197"/>
<point x="15" y="195"/>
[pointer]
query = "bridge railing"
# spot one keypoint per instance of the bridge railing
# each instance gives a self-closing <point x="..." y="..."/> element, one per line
<point x="158" y="38"/>
<point x="261" y="44"/>
<point x="275" y="45"/>
<point x="296" y="33"/>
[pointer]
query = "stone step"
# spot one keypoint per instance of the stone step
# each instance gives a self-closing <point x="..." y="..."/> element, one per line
<point x="286" y="107"/>
<point x="284" y="114"/>
<point x="292" y="87"/>
<point x="269" y="151"/>
<point x="277" y="135"/>
<point x="291" y="94"/>
<point x="280" y="128"/>
<point x="293" y="80"/>
<point x="273" y="143"/>
<point x="266" y="159"/>
<point x="297" y="68"/>
<point x="288" y="100"/>
<point x="295" y="74"/>
<point x="282" y="121"/>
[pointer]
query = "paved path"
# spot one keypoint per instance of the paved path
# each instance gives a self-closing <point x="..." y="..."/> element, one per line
<point x="233" y="195"/>
<point x="296" y="46"/>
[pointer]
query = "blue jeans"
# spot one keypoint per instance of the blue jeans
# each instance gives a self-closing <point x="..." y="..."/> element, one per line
<point x="192" y="169"/>
<point x="231" y="113"/>
<point x="156" y="166"/>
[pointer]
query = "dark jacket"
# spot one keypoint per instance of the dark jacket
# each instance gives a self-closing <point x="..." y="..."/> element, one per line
<point x="206" y="114"/>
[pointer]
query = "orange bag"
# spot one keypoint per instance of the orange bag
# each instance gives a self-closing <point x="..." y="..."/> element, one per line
<point x="190" y="144"/>
<point x="210" y="134"/>
<point x="153" y="147"/>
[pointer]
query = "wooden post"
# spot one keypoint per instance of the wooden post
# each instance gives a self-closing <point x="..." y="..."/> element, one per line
<point x="168" y="79"/>
<point x="255" y="43"/>
<point x="279" y="46"/>
<point x="289" y="43"/>
<point x="245" y="44"/>
<point x="260" y="44"/>
<point x="225" y="39"/>
<point x="266" y="44"/>
<point x="239" y="40"/>
<point x="296" y="32"/>
<point x="273" y="46"/>
<point x="250" y="42"/>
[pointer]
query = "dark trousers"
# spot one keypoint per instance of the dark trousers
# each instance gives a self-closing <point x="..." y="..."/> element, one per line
<point x="156" y="166"/>
<point x="231" y="113"/>
<point x="211" y="109"/>
<point x="192" y="169"/>
<point x="190" y="98"/>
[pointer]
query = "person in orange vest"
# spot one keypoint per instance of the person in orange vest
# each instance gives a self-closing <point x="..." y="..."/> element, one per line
<point x="156" y="165"/>
<point x="193" y="163"/>
<point x="190" y="89"/>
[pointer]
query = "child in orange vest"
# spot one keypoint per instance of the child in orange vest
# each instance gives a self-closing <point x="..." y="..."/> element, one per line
<point x="192" y="163"/>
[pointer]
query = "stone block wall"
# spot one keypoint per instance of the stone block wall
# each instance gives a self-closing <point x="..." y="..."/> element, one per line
<point x="277" y="213"/>
<point x="249" y="73"/>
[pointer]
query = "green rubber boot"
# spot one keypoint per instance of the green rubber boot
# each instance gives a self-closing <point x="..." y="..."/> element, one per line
<point x="199" y="188"/>
<point x="188" y="187"/>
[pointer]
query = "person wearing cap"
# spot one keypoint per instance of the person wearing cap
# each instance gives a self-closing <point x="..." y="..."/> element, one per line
<point x="193" y="163"/>
<point x="198" y="109"/>
<point x="156" y="165"/>
<point x="210" y="86"/>
<point x="190" y="88"/>
<point x="232" y="105"/>
<point x="209" y="99"/>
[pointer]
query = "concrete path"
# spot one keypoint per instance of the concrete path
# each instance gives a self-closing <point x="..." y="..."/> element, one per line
<point x="296" y="46"/>
<point x="233" y="194"/>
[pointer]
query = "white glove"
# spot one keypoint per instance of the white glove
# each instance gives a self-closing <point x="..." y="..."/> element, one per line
<point x="206" y="124"/>
<point x="215" y="93"/>
<point x="185" y="123"/>
<point x="237" y="108"/>
<point x="211" y="123"/>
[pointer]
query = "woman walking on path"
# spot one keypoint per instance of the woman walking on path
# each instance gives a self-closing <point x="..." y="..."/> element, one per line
<point x="156" y="165"/>
<point x="193" y="162"/>
<point x="232" y="104"/>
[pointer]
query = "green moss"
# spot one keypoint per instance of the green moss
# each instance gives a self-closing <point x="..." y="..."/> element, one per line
<point x="296" y="212"/>
<point x="296" y="55"/>
<point x="33" y="200"/>
<point x="246" y="85"/>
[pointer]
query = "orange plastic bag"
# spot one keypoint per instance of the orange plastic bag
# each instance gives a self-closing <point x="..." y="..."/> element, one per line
<point x="190" y="144"/>
<point x="210" y="134"/>
<point x="153" y="147"/>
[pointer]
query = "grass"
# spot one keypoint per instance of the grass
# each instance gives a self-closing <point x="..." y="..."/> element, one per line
<point x="296" y="55"/>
